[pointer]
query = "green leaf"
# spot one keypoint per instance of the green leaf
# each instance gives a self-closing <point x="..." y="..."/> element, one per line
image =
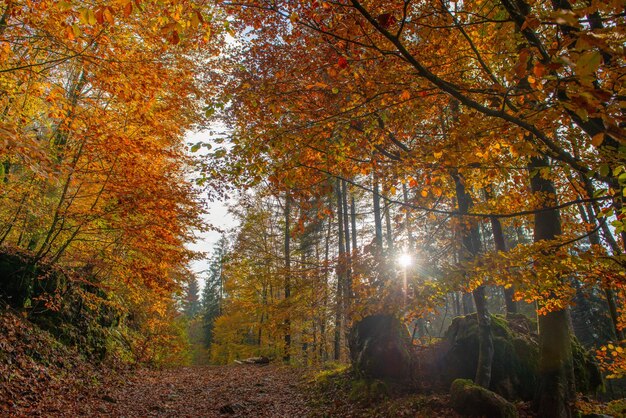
<point x="604" y="170"/>
<point x="588" y="63"/>
<point x="64" y="5"/>
<point x="196" y="147"/>
<point x="599" y="192"/>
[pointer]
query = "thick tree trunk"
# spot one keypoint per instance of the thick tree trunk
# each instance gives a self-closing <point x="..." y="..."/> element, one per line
<point x="556" y="388"/>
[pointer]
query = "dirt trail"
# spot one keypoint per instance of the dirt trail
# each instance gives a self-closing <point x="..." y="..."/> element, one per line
<point x="211" y="391"/>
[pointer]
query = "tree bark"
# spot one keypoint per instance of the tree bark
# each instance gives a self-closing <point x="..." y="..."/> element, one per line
<point x="556" y="388"/>
<point x="407" y="220"/>
<point x="287" y="353"/>
<point x="471" y="248"/>
<point x="353" y="223"/>
<point x="340" y="272"/>
<point x="378" y="224"/>
<point x="388" y="230"/>
<point x="500" y="243"/>
<point x="348" y="253"/>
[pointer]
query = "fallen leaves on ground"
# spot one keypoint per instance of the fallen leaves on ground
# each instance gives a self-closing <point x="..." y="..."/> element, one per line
<point x="201" y="391"/>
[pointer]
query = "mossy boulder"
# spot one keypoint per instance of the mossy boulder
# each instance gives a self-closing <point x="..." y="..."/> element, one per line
<point x="24" y="282"/>
<point x="380" y="347"/>
<point x="516" y="357"/>
<point x="471" y="400"/>
<point x="586" y="369"/>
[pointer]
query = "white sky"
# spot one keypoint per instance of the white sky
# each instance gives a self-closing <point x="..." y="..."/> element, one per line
<point x="218" y="216"/>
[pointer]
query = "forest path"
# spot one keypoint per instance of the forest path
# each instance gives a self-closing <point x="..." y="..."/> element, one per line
<point x="202" y="391"/>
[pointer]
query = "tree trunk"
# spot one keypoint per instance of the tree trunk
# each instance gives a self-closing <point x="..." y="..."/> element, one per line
<point x="323" y="351"/>
<point x="389" y="234"/>
<point x="287" y="353"/>
<point x="378" y="224"/>
<point x="500" y="243"/>
<point x="340" y="273"/>
<point x="348" y="253"/>
<point x="556" y="388"/>
<point x="353" y="223"/>
<point x="592" y="213"/>
<point x="407" y="220"/>
<point x="471" y="248"/>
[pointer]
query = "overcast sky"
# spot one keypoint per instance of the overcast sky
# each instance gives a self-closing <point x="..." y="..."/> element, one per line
<point x="218" y="215"/>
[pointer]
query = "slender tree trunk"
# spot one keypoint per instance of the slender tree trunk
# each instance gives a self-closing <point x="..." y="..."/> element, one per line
<point x="407" y="220"/>
<point x="389" y="234"/>
<point x="471" y="248"/>
<point x="556" y="388"/>
<point x="340" y="273"/>
<point x="378" y="224"/>
<point x="592" y="211"/>
<point x="353" y="223"/>
<point x="323" y="351"/>
<point x="500" y="243"/>
<point x="287" y="353"/>
<point x="348" y="252"/>
<point x="457" y="304"/>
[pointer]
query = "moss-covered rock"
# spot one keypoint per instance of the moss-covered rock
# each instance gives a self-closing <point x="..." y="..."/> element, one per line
<point x="380" y="347"/>
<point x="516" y="357"/>
<point x="76" y="312"/>
<point x="586" y="369"/>
<point x="472" y="400"/>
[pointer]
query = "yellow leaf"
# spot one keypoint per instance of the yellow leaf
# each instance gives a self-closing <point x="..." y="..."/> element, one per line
<point x="83" y="16"/>
<point x="195" y="20"/>
<point x="424" y="193"/>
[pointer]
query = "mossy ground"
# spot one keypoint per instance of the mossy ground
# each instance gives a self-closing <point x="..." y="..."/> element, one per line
<point x="337" y="392"/>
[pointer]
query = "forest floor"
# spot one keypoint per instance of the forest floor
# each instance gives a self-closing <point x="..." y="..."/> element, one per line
<point x="221" y="391"/>
<point x="40" y="377"/>
<point x="200" y="391"/>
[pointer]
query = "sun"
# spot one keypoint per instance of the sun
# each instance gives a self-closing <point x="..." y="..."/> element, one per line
<point x="405" y="260"/>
